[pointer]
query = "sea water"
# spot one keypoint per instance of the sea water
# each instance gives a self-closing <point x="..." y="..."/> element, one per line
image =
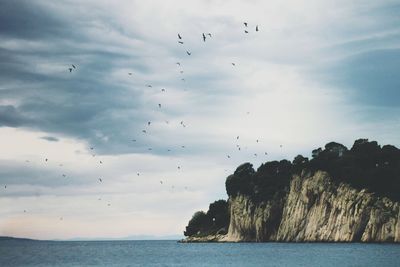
<point x="172" y="253"/>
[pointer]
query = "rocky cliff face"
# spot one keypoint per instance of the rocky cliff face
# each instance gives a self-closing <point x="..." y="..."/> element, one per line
<point x="315" y="210"/>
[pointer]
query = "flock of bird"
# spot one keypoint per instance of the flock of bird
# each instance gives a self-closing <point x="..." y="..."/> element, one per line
<point x="180" y="40"/>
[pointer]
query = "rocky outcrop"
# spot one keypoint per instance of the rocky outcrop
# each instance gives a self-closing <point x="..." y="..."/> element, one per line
<point x="314" y="210"/>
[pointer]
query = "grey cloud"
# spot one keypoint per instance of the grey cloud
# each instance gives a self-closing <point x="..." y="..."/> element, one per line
<point x="50" y="138"/>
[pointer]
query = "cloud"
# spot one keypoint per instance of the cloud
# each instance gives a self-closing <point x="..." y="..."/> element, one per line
<point x="50" y="138"/>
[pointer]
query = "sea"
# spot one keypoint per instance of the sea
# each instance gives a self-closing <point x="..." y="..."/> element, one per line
<point x="172" y="253"/>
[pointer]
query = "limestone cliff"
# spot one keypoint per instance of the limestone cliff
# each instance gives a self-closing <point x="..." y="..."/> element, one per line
<point x="315" y="209"/>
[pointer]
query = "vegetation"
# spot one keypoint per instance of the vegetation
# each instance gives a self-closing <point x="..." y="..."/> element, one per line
<point x="216" y="220"/>
<point x="366" y="165"/>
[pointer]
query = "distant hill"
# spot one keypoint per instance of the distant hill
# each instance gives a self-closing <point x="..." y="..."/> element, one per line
<point x="9" y="238"/>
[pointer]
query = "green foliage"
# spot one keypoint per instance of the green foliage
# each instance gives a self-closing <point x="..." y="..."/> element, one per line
<point x="216" y="220"/>
<point x="365" y="165"/>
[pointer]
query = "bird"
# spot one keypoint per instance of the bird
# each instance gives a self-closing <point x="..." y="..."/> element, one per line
<point x="265" y="153"/>
<point x="228" y="156"/>
<point x="5" y="187"/>
<point x="237" y="137"/>
<point x="181" y="71"/>
<point x="144" y="131"/>
<point x="189" y="53"/>
<point x="179" y="167"/>
<point x="183" y="146"/>
<point x="180" y="42"/>
<point x="178" y="63"/>
<point x="159" y="105"/>
<point x="150" y="148"/>
<point x="209" y="34"/>
<point x="257" y="28"/>
<point x="149" y="85"/>
<point x="182" y="79"/>
<point x="133" y="140"/>
<point x="257" y="141"/>
<point x="101" y="162"/>
<point x="246" y="31"/>
<point x="204" y="37"/>
<point x="129" y="73"/>
<point x="138" y="174"/>
<point x="73" y="66"/>
<point x="161" y="182"/>
<point x="280" y="145"/>
<point x="100" y="180"/>
<point x="148" y="123"/>
<point x="233" y="64"/>
<point x="255" y="154"/>
<point x="245" y="24"/>
<point x="46" y="159"/>
<point x="70" y="69"/>
<point x="162" y="90"/>
<point x="91" y="148"/>
<point x="64" y="175"/>
<point x="179" y="36"/>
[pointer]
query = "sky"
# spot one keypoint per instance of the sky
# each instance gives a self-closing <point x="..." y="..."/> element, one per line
<point x="75" y="162"/>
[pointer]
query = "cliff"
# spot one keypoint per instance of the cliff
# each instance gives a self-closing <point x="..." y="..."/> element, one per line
<point x="307" y="205"/>
<point x="315" y="209"/>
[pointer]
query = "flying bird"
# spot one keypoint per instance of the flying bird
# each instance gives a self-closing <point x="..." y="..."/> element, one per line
<point x="73" y="66"/>
<point x="161" y="182"/>
<point x="130" y="73"/>
<point x="178" y="63"/>
<point x="209" y="34"/>
<point x="257" y="28"/>
<point x="179" y="167"/>
<point x="189" y="53"/>
<point x="138" y="174"/>
<point x="162" y="90"/>
<point x="246" y="31"/>
<point x="70" y="69"/>
<point x="245" y="24"/>
<point x="228" y="156"/>
<point x="100" y="180"/>
<point x="180" y="42"/>
<point x="179" y="36"/>
<point x="63" y="175"/>
<point x="144" y="131"/>
<point x="101" y="162"/>
<point x="148" y="123"/>
<point x="183" y="79"/>
<point x="233" y="64"/>
<point x="204" y="37"/>
<point x="46" y="159"/>
<point x="149" y="85"/>
<point x="159" y="105"/>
